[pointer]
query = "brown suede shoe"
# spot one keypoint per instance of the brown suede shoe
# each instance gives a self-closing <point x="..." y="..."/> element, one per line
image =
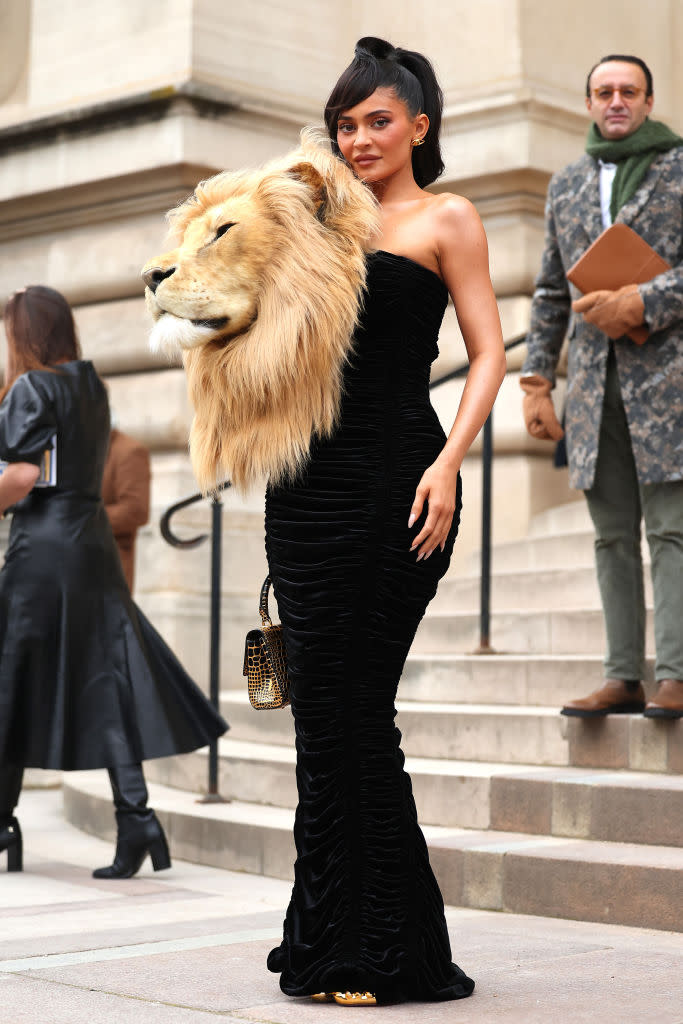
<point x="613" y="698"/>
<point x="668" y="702"/>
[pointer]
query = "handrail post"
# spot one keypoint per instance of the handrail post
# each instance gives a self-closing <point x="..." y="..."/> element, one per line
<point x="485" y="582"/>
<point x="170" y="537"/>
<point x="212" y="795"/>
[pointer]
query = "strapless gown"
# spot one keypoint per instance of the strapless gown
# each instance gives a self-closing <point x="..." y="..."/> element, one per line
<point x="366" y="913"/>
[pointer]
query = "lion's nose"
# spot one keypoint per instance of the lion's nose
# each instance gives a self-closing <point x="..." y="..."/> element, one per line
<point x="155" y="276"/>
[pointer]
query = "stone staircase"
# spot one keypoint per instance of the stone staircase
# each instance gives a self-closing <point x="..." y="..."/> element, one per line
<point x="524" y="810"/>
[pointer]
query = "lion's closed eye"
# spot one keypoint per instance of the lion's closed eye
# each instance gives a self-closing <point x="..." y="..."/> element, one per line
<point x="223" y="228"/>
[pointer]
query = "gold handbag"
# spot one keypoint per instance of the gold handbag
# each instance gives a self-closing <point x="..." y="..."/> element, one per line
<point x="265" y="661"/>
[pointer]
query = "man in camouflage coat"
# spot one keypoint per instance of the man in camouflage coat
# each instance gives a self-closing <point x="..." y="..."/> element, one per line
<point x="624" y="408"/>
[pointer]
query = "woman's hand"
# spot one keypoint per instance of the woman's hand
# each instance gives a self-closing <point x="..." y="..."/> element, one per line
<point x="438" y="488"/>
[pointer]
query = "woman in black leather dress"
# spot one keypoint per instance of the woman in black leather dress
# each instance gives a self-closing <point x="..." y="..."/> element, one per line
<point x="85" y="680"/>
<point x="356" y="547"/>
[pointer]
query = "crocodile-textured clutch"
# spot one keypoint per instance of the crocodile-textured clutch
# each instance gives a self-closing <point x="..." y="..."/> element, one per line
<point x="265" y="661"/>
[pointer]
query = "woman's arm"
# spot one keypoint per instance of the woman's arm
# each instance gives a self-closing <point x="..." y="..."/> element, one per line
<point x="463" y="257"/>
<point x="16" y="481"/>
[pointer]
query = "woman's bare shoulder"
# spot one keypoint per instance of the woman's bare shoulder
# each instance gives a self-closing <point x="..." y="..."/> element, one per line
<point x="459" y="236"/>
<point x="452" y="210"/>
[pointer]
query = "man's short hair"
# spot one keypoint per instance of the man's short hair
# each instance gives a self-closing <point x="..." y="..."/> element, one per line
<point x="626" y="59"/>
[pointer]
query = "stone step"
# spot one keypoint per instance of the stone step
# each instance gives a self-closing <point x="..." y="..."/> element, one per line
<point x="565" y="521"/>
<point x="472" y="732"/>
<point x="578" y="879"/>
<point x="623" y="807"/>
<point x="625" y="741"/>
<point x="542" y="552"/>
<point x="572" y="517"/>
<point x="530" y="589"/>
<point x="581" y="803"/>
<point x="520" y="632"/>
<point x="526" y="679"/>
<point x="498" y="733"/>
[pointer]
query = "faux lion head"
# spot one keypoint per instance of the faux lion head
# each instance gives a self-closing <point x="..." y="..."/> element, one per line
<point x="262" y="295"/>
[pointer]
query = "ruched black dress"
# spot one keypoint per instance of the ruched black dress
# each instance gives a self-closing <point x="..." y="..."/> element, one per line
<point x="85" y="680"/>
<point x="366" y="913"/>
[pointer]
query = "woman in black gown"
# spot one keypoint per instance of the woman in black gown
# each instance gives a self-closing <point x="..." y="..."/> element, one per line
<point x="356" y="546"/>
<point x="85" y="680"/>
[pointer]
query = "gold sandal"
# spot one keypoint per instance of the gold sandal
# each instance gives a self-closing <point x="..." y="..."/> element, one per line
<point x="323" y="997"/>
<point x="355" y="998"/>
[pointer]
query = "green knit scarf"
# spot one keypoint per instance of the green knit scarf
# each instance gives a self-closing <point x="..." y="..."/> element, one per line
<point x="633" y="155"/>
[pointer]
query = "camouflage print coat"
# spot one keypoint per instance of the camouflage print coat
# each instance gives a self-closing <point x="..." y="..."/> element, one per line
<point x="651" y="375"/>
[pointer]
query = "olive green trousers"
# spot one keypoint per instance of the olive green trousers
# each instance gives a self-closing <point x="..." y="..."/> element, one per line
<point x="617" y="502"/>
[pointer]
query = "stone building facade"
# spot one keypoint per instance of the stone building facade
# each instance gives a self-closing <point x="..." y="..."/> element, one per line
<point x="111" y="112"/>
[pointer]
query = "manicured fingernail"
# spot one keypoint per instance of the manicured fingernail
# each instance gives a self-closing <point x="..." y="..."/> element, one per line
<point x="412" y="519"/>
<point x="420" y="556"/>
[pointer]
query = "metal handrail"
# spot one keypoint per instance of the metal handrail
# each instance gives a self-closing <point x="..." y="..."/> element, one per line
<point x="170" y="537"/>
<point x="212" y="795"/>
<point x="165" y="521"/>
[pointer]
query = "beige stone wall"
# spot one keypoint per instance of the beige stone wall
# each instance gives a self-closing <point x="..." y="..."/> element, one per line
<point x="109" y="119"/>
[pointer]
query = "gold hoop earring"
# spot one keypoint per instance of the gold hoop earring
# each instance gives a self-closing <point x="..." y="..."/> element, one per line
<point x="417" y="142"/>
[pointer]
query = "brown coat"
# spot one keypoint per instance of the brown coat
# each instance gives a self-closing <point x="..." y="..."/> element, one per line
<point x="125" y="493"/>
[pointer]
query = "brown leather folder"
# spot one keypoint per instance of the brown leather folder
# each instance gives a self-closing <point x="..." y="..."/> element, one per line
<point x="617" y="257"/>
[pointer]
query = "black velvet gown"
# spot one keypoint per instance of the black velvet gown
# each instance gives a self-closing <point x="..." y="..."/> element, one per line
<point x="366" y="913"/>
<point x="85" y="680"/>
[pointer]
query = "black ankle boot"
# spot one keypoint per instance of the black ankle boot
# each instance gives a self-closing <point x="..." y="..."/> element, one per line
<point x="10" y="840"/>
<point x="137" y="836"/>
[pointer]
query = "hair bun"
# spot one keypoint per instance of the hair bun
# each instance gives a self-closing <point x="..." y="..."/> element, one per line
<point x="380" y="49"/>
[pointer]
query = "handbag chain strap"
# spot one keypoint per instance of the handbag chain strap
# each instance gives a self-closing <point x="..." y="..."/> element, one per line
<point x="263" y="603"/>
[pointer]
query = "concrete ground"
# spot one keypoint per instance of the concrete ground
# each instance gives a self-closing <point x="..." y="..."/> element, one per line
<point x="188" y="946"/>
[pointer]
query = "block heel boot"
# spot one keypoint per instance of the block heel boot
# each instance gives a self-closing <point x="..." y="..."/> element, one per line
<point x="136" y="838"/>
<point x="138" y="831"/>
<point x="11" y="840"/>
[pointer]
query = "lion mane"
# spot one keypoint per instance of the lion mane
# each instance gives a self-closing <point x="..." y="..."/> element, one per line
<point x="262" y="295"/>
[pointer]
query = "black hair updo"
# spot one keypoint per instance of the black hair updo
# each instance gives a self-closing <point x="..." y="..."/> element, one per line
<point x="376" y="65"/>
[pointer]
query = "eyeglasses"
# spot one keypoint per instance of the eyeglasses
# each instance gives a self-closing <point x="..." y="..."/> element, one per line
<point x="628" y="93"/>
